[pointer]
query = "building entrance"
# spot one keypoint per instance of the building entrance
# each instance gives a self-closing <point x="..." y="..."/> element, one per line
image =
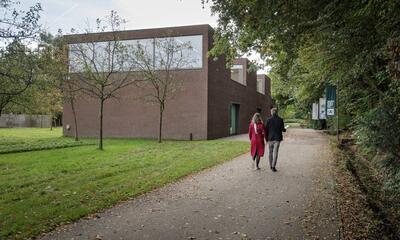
<point x="234" y="119"/>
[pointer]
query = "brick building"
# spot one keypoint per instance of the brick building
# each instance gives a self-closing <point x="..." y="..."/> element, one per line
<point x="213" y="102"/>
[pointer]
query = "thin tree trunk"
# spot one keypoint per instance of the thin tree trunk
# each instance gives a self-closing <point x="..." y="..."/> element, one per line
<point x="75" y="120"/>
<point x="101" y="124"/>
<point x="160" y="127"/>
<point x="51" y="122"/>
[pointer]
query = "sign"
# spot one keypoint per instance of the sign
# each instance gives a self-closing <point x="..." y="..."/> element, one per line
<point x="330" y="107"/>
<point x="322" y="108"/>
<point x="330" y="100"/>
<point x="314" y="111"/>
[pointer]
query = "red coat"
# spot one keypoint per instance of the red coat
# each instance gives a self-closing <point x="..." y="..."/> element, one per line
<point x="257" y="140"/>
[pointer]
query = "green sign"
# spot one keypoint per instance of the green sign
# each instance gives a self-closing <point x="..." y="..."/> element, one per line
<point x="330" y="100"/>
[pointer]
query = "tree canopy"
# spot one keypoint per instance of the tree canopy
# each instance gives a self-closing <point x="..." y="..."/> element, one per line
<point x="309" y="44"/>
<point x="19" y="63"/>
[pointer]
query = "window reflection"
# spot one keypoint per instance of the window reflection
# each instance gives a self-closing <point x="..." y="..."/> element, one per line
<point x="261" y="85"/>
<point x="237" y="74"/>
<point x="94" y="54"/>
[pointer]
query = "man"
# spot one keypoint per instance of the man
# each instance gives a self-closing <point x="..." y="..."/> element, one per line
<point x="274" y="128"/>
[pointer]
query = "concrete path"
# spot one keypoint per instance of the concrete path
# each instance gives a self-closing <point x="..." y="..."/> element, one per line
<point x="229" y="201"/>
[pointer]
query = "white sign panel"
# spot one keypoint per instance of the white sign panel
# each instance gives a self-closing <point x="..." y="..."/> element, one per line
<point x="330" y="106"/>
<point x="314" y="111"/>
<point x="322" y="108"/>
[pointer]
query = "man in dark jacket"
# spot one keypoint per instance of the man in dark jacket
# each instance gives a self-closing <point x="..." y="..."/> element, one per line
<point x="274" y="128"/>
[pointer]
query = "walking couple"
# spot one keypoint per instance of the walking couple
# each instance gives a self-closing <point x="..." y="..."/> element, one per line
<point x="271" y="132"/>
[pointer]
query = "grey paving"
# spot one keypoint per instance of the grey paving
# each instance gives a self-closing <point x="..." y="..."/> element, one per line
<point x="229" y="201"/>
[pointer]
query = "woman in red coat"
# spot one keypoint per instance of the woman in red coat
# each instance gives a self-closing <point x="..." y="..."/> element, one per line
<point x="257" y="135"/>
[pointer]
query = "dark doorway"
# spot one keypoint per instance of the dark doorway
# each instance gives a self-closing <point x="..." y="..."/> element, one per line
<point x="234" y="119"/>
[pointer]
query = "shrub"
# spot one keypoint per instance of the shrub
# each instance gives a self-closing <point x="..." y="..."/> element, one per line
<point x="379" y="129"/>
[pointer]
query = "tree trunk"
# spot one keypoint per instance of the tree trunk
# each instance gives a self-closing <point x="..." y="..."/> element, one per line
<point x="51" y="122"/>
<point x="75" y="120"/>
<point x="160" y="127"/>
<point x="101" y="124"/>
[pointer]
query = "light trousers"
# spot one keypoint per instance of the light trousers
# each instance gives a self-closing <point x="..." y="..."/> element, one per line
<point x="273" y="152"/>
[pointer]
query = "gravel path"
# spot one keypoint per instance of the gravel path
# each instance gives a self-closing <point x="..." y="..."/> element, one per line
<point x="229" y="201"/>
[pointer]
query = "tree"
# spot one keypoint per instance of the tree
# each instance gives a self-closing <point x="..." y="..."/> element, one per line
<point x="321" y="41"/>
<point x="18" y="24"/>
<point x="54" y="61"/>
<point x="69" y="86"/>
<point x="70" y="90"/>
<point x="17" y="62"/>
<point x="102" y="68"/>
<point x="310" y="44"/>
<point x="158" y="72"/>
<point x="48" y="99"/>
<point x="18" y="72"/>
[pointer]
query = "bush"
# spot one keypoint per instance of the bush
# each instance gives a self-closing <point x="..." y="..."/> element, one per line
<point x="379" y="129"/>
<point x="344" y="122"/>
<point x="378" y="135"/>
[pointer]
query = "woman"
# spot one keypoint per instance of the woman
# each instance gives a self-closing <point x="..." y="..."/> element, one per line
<point x="256" y="135"/>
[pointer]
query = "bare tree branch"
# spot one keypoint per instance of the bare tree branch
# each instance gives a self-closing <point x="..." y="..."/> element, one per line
<point x="160" y="78"/>
<point x="99" y="66"/>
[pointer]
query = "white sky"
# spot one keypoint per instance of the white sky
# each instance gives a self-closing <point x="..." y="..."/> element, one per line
<point x="67" y="14"/>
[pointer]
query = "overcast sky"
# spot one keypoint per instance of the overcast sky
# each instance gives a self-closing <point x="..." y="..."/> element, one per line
<point x="67" y="14"/>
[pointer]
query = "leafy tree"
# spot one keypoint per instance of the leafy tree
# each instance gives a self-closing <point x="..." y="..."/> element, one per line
<point x="334" y="41"/>
<point x="47" y="98"/>
<point x="310" y="44"/>
<point x="354" y="45"/>
<point x="58" y="85"/>
<point x="69" y="87"/>
<point x="18" y="24"/>
<point x="18" y="72"/>
<point x="17" y="62"/>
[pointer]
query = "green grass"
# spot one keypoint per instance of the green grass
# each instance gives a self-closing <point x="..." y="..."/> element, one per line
<point x="42" y="189"/>
<point x="295" y="122"/>
<point x="31" y="139"/>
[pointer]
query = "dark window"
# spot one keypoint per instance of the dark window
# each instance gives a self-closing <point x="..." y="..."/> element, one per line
<point x="234" y="126"/>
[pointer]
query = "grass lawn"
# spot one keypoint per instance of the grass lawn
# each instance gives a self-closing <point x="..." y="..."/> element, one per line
<point x="295" y="122"/>
<point x="29" y="139"/>
<point x="42" y="189"/>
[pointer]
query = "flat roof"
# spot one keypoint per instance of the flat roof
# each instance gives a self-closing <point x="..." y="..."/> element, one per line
<point x="140" y="33"/>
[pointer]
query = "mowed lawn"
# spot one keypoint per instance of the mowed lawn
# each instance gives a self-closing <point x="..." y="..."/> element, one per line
<point x="42" y="189"/>
<point x="29" y="139"/>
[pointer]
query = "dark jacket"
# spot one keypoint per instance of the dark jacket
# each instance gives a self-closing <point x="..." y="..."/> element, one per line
<point x="274" y="128"/>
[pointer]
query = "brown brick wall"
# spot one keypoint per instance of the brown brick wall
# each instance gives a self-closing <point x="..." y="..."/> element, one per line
<point x="129" y="116"/>
<point x="202" y="107"/>
<point x="223" y="91"/>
